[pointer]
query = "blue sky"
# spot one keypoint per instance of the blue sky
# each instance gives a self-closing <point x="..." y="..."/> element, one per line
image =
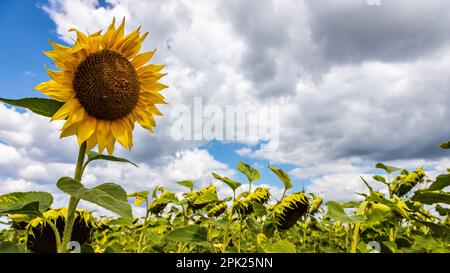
<point x="349" y="87"/>
<point x="26" y="30"/>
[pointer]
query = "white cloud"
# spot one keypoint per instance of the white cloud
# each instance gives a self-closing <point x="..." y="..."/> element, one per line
<point x="340" y="109"/>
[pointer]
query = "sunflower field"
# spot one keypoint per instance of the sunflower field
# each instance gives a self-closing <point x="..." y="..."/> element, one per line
<point x="412" y="217"/>
<point x="105" y="86"/>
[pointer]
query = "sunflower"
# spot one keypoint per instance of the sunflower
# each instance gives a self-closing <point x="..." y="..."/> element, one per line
<point x="289" y="210"/>
<point x="245" y="206"/>
<point x="106" y="87"/>
<point x="217" y="209"/>
<point x="406" y="181"/>
<point x="41" y="238"/>
<point x="192" y="197"/>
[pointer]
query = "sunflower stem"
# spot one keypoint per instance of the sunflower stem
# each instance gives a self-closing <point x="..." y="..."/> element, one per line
<point x="141" y="236"/>
<point x="55" y="230"/>
<point x="73" y="202"/>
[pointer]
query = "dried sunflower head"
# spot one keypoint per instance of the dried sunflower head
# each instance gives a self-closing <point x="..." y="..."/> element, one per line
<point x="217" y="209"/>
<point x="244" y="206"/>
<point x="406" y="181"/>
<point x="289" y="210"/>
<point x="160" y="203"/>
<point x="20" y="221"/>
<point x="193" y="196"/>
<point x="41" y="238"/>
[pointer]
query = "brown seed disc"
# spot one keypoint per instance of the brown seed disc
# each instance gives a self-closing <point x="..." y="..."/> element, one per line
<point x="107" y="85"/>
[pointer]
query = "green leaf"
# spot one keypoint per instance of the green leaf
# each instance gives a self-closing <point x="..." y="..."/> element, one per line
<point x="388" y="169"/>
<point x="231" y="183"/>
<point x="442" y="181"/>
<point x="206" y="198"/>
<point x="379" y="178"/>
<point x="445" y="145"/>
<point x="367" y="184"/>
<point x="115" y="248"/>
<point x="431" y="197"/>
<point x="96" y="156"/>
<point x="284" y="177"/>
<point x="120" y="222"/>
<point x="40" y="106"/>
<point x="189" y="234"/>
<point x="253" y="226"/>
<point x="391" y="246"/>
<point x="251" y="173"/>
<point x="8" y="247"/>
<point x="259" y="209"/>
<point x="187" y="183"/>
<point x="281" y="246"/>
<point x="442" y="211"/>
<point x="351" y="204"/>
<point x="337" y="212"/>
<point x="167" y="197"/>
<point x="25" y="202"/>
<point x="438" y="229"/>
<point x="109" y="195"/>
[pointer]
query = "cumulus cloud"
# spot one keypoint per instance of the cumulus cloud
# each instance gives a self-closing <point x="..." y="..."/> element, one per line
<point x="355" y="84"/>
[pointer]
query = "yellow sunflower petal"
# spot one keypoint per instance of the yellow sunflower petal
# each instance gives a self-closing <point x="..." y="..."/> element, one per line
<point x="110" y="142"/>
<point x="117" y="36"/>
<point x="82" y="40"/>
<point x="119" y="130"/>
<point x="63" y="77"/>
<point x="142" y="58"/>
<point x="107" y="36"/>
<point x="103" y="131"/>
<point x="76" y="116"/>
<point x="95" y="34"/>
<point x="145" y="119"/>
<point x="152" y="68"/>
<point x="91" y="142"/>
<point x="69" y="131"/>
<point x="65" y="110"/>
<point x="130" y="39"/>
<point x="144" y="36"/>
<point x="55" y="90"/>
<point x="86" y="129"/>
<point x="151" y="77"/>
<point x="153" y="87"/>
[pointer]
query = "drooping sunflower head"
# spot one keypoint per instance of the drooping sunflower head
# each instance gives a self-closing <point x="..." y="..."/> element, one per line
<point x="160" y="203"/>
<point x="244" y="206"/>
<point x="41" y="238"/>
<point x="106" y="87"/>
<point x="217" y="209"/>
<point x="289" y="210"/>
<point x="192" y="197"/>
<point x="406" y="181"/>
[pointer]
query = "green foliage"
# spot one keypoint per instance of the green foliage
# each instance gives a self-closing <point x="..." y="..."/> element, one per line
<point x="109" y="195"/>
<point x="251" y="173"/>
<point x="25" y="202"/>
<point x="198" y="221"/>
<point x="40" y="106"/>
<point x="283" y="176"/>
